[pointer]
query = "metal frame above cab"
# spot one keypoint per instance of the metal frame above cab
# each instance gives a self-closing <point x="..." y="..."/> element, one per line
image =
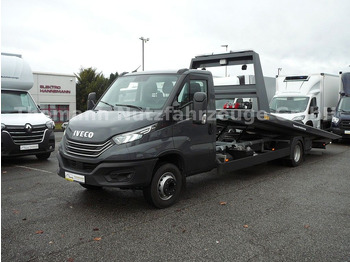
<point x="257" y="90"/>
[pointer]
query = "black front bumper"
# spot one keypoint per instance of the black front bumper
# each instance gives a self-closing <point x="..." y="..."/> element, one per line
<point x="127" y="174"/>
<point x="345" y="134"/>
<point x="10" y="149"/>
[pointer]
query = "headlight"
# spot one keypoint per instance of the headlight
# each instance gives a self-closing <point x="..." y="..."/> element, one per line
<point x="50" y="124"/>
<point x="132" y="136"/>
<point x="335" y="120"/>
<point x="299" y="118"/>
<point x="2" y="126"/>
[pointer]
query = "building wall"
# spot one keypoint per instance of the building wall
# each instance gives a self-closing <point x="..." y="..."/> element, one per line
<point x="55" y="94"/>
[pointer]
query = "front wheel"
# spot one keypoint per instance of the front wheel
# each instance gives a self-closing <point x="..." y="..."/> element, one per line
<point x="165" y="187"/>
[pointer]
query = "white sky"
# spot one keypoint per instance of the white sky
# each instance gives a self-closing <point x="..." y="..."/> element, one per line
<point x="61" y="36"/>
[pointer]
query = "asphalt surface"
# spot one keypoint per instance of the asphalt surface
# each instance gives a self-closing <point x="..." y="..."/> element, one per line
<point x="265" y="213"/>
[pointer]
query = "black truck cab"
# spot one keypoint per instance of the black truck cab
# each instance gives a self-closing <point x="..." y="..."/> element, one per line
<point x="141" y="122"/>
<point x="341" y="119"/>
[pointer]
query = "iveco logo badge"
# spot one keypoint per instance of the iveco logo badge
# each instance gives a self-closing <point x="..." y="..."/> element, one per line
<point x="28" y="128"/>
<point x="83" y="133"/>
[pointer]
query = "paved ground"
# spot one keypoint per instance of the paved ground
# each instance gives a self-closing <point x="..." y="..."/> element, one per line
<point x="265" y="213"/>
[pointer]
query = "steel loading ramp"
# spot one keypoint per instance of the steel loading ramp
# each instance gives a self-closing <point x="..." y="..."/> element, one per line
<point x="264" y="122"/>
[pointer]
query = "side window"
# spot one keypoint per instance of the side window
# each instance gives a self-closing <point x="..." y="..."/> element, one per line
<point x="189" y="89"/>
<point x="313" y="103"/>
<point x="185" y="97"/>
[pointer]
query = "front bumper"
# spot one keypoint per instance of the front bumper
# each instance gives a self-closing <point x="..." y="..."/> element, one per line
<point x="9" y="148"/>
<point x="126" y="174"/>
<point x="345" y="134"/>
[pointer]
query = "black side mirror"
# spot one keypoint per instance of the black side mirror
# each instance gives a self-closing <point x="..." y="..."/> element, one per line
<point x="200" y="108"/>
<point x="329" y="110"/>
<point x="91" y="101"/>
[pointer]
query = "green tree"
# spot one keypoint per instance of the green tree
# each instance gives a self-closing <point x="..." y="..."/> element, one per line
<point x="89" y="80"/>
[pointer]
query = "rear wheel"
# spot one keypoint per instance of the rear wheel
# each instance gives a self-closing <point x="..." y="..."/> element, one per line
<point x="165" y="187"/>
<point x="297" y="154"/>
<point x="43" y="156"/>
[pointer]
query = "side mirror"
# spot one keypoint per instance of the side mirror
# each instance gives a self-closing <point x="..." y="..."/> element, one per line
<point x="91" y="101"/>
<point x="200" y="108"/>
<point x="329" y="110"/>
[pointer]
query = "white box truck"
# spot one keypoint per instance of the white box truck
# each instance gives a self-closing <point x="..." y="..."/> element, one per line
<point x="309" y="99"/>
<point x="25" y="130"/>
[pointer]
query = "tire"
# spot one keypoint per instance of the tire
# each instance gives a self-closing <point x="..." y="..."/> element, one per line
<point x="90" y="187"/>
<point x="165" y="187"/>
<point x="43" y="156"/>
<point x="297" y="154"/>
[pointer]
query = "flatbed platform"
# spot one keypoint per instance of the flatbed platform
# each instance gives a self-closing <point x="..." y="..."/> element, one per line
<point x="264" y="122"/>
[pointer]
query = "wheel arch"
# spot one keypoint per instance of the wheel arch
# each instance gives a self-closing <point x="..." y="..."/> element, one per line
<point x="174" y="158"/>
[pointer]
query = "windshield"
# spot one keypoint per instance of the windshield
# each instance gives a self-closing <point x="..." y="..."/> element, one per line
<point x="17" y="102"/>
<point x="344" y="104"/>
<point x="140" y="92"/>
<point x="285" y="105"/>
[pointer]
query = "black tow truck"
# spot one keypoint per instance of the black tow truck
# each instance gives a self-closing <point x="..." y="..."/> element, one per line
<point x="151" y="130"/>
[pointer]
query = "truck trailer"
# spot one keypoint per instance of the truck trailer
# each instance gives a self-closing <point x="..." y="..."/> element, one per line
<point x="151" y="130"/>
<point x="25" y="130"/>
<point x="308" y="99"/>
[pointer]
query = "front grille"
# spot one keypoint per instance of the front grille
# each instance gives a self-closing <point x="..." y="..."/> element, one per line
<point x="87" y="149"/>
<point x="76" y="165"/>
<point x="21" y="136"/>
<point x="345" y="124"/>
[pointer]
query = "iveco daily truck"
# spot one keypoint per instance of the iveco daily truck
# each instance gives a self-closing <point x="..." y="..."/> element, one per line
<point x="25" y="130"/>
<point x="341" y="118"/>
<point x="150" y="130"/>
<point x="308" y="99"/>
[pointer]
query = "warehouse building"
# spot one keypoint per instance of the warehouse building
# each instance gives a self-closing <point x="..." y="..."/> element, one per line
<point x="55" y="94"/>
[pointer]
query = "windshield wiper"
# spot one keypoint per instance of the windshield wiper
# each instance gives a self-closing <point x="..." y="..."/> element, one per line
<point x="344" y="111"/>
<point x="108" y="104"/>
<point x="132" y="106"/>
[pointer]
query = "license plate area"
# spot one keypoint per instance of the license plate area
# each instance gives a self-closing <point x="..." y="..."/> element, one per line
<point x="74" y="177"/>
<point x="29" y="147"/>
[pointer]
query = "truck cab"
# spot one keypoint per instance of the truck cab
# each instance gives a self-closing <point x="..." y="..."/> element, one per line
<point x="25" y="130"/>
<point x="341" y="118"/>
<point x="142" y="121"/>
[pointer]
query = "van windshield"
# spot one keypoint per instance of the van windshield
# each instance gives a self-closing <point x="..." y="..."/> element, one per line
<point x="17" y="102"/>
<point x="287" y="105"/>
<point x="344" y="104"/>
<point x="139" y="92"/>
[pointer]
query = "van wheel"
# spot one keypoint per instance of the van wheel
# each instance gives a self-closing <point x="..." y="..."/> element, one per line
<point x="43" y="156"/>
<point x="165" y="187"/>
<point x="297" y="154"/>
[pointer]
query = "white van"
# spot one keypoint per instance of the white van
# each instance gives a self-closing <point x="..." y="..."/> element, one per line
<point x="25" y="130"/>
<point x="308" y="99"/>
